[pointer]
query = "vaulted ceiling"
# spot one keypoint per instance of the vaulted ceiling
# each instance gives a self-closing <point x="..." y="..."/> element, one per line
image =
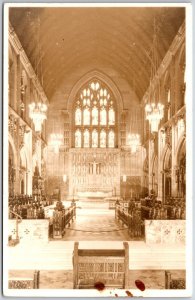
<point x="59" y="41"/>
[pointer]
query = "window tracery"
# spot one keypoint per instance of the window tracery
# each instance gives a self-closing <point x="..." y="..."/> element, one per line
<point x="86" y="138"/>
<point x="95" y="116"/>
<point x="78" y="138"/>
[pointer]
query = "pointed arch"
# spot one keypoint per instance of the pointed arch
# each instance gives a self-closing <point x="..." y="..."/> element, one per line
<point x="94" y="108"/>
<point x="102" y="77"/>
<point x="181" y="146"/>
<point x="11" y="143"/>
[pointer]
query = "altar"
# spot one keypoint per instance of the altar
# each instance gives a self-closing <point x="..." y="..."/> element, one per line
<point x="94" y="194"/>
<point x="94" y="173"/>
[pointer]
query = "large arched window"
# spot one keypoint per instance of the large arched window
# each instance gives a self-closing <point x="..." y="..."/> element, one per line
<point x="86" y="138"/>
<point x="77" y="138"/>
<point x="95" y="116"/>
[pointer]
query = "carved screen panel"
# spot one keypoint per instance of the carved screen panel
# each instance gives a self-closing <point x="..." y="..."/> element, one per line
<point x="94" y="170"/>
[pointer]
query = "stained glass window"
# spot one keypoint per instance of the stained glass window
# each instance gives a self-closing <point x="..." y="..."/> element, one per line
<point x="111" y="116"/>
<point x="78" y="138"/>
<point x="86" y="116"/>
<point x="86" y="138"/>
<point x="78" y="116"/>
<point x="102" y="139"/>
<point x="111" y="139"/>
<point x="94" y="139"/>
<point x="103" y="117"/>
<point x="94" y="116"/>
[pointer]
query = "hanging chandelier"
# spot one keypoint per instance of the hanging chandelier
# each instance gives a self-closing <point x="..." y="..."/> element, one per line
<point x="154" y="113"/>
<point x="37" y="112"/>
<point x="56" y="140"/>
<point x="133" y="141"/>
<point x="154" y="110"/>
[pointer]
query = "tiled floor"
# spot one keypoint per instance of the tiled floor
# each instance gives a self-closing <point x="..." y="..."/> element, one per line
<point x="59" y="279"/>
<point x="96" y="225"/>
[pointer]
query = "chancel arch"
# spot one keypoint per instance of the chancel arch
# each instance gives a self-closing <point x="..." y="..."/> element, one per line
<point x="95" y="104"/>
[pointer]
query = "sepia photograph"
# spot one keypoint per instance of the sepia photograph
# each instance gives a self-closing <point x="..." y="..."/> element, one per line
<point x="97" y="146"/>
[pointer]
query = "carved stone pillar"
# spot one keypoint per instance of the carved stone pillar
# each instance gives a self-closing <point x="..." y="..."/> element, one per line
<point x="18" y="86"/>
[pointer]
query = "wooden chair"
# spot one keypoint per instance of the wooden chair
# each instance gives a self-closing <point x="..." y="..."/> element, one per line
<point x="25" y="283"/>
<point x="107" y="266"/>
<point x="174" y="284"/>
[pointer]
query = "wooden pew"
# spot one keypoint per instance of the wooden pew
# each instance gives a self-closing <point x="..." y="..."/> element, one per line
<point x="107" y="266"/>
<point x="174" y="284"/>
<point x="62" y="219"/>
<point x="133" y="221"/>
<point x="25" y="283"/>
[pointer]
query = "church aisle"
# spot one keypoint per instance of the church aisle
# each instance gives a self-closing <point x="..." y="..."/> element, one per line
<point x="95" y="225"/>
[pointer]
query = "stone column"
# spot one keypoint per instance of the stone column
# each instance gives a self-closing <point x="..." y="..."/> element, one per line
<point x="150" y="156"/>
<point x="18" y="85"/>
<point x="160" y="170"/>
<point x="17" y="182"/>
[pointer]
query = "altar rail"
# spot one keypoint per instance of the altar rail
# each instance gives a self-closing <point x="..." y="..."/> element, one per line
<point x="25" y="283"/>
<point x="109" y="267"/>
<point x="61" y="219"/>
<point x="133" y="221"/>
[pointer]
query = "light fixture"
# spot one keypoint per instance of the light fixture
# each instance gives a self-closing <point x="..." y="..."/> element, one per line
<point x="37" y="112"/>
<point x="154" y="113"/>
<point x="133" y="140"/>
<point x="56" y="140"/>
<point x="154" y="109"/>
